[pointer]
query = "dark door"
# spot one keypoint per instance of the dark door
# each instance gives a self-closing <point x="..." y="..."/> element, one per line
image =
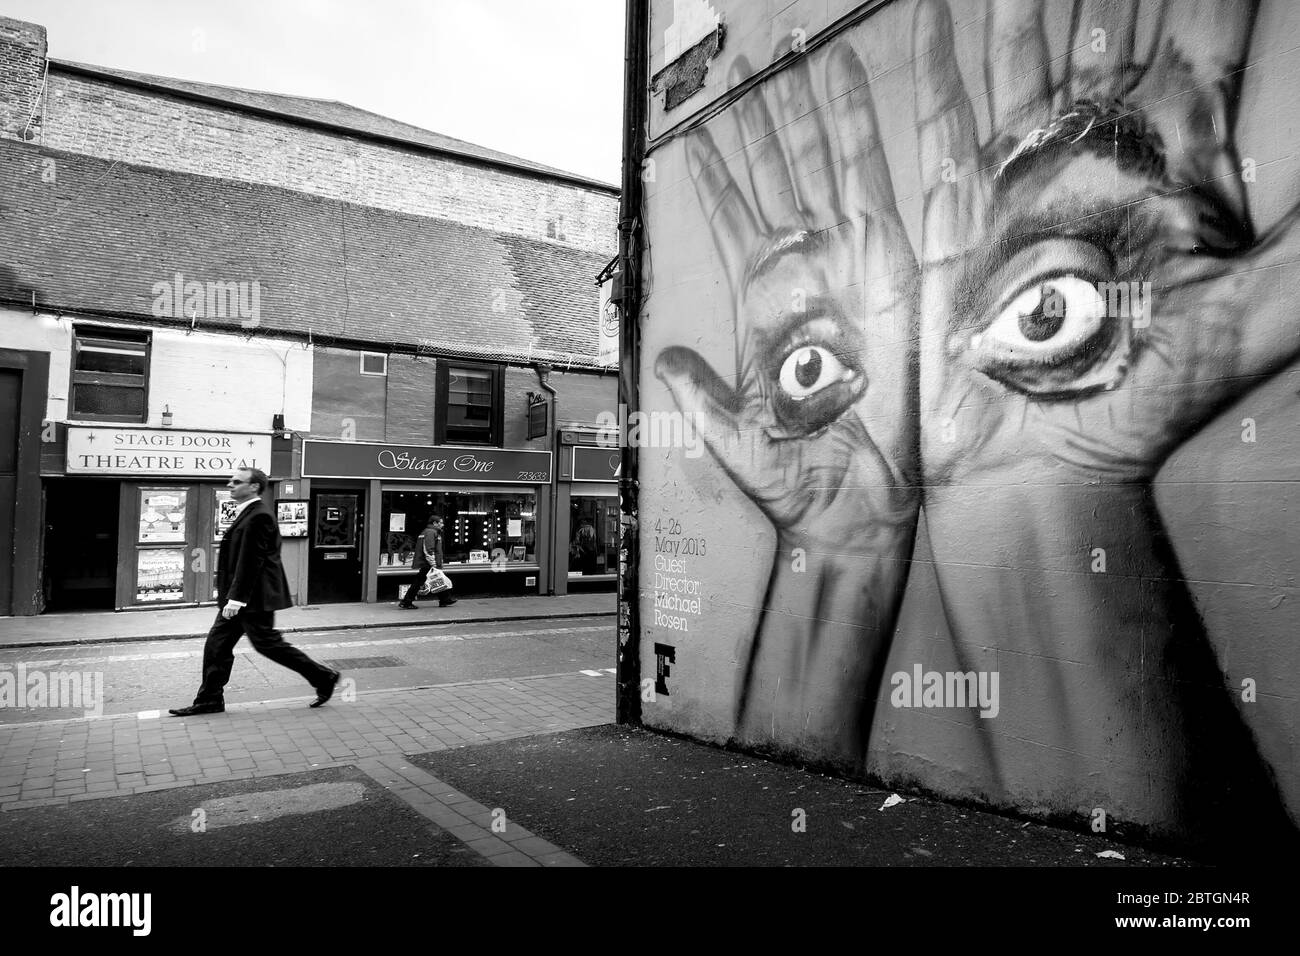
<point x="334" y="571"/>
<point x="11" y="391"/>
<point x="81" y="556"/>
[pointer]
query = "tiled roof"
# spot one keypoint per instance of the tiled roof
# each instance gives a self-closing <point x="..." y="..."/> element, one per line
<point x="101" y="235"/>
<point x="327" y="112"/>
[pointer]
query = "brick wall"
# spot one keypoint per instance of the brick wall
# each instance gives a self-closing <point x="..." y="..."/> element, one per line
<point x="22" y="65"/>
<point x="412" y="396"/>
<point x="584" y="396"/>
<point x="400" y="407"/>
<point x="153" y="128"/>
<point x="346" y="405"/>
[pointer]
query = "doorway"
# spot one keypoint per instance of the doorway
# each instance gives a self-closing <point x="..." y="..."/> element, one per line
<point x="81" y="522"/>
<point x="334" y="568"/>
<point x="11" y="390"/>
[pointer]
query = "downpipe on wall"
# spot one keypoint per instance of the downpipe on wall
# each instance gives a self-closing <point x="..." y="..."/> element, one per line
<point x="627" y="297"/>
<point x="544" y="380"/>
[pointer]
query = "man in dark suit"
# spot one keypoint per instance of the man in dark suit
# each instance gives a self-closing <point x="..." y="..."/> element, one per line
<point x="251" y="587"/>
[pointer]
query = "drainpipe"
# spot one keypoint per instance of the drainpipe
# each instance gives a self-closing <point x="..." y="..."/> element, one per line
<point x="543" y="375"/>
<point x="627" y="703"/>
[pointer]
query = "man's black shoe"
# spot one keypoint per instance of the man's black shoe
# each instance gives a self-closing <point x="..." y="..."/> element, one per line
<point x="326" y="691"/>
<point x="405" y="607"/>
<point x="196" y="709"/>
<point x="448" y="603"/>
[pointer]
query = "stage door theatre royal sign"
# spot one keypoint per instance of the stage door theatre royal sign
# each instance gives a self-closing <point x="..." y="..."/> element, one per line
<point x="328" y="459"/>
<point x="164" y="452"/>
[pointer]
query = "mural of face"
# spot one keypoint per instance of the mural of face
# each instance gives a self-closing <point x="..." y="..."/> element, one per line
<point x="1042" y="350"/>
<point x="1090" y="292"/>
<point x="1049" y="402"/>
<point x="820" y="429"/>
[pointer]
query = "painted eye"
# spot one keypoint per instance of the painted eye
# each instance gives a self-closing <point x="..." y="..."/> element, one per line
<point x="1046" y="324"/>
<point x="1059" y="338"/>
<point x="811" y="369"/>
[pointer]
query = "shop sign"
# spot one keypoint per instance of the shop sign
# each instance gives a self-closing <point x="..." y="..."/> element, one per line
<point x="164" y="452"/>
<point x="330" y="459"/>
<point x="595" y="463"/>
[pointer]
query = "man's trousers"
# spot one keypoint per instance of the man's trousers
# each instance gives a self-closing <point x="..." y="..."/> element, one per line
<point x="219" y="653"/>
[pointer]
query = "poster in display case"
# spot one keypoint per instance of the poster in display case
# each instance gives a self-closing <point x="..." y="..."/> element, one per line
<point x="162" y="515"/>
<point x="292" y="518"/>
<point x="227" y="509"/>
<point x="160" y="574"/>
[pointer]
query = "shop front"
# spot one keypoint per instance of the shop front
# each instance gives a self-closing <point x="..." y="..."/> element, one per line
<point x="587" y="514"/>
<point x="492" y="501"/>
<point x="136" y="519"/>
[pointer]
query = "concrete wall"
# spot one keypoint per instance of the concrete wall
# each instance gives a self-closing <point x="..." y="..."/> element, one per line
<point x="209" y="381"/>
<point x="890" y="284"/>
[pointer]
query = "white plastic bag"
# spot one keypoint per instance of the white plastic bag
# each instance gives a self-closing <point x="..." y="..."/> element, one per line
<point x="435" y="582"/>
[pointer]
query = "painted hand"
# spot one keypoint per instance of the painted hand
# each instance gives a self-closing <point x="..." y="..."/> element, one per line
<point x="1093" y="294"/>
<point x="819" y="428"/>
<point x="1093" y="289"/>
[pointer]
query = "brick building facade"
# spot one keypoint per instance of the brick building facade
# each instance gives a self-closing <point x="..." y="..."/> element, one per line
<point x="185" y="265"/>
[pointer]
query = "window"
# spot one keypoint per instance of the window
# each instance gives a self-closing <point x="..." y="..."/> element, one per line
<point x="479" y="528"/>
<point x="469" y="407"/>
<point x="374" y="363"/>
<point x="593" y="536"/>
<point x="110" y="374"/>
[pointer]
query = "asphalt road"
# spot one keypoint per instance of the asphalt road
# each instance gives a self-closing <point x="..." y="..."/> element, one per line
<point x="330" y="817"/>
<point x="617" y="796"/>
<point x="156" y="675"/>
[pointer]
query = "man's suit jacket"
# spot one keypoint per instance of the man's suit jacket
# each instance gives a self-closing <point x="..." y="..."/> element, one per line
<point x="248" y="563"/>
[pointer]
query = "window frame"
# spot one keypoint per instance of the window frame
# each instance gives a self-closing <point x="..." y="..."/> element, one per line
<point x="107" y="335"/>
<point x="496" y="430"/>
<point x="378" y="355"/>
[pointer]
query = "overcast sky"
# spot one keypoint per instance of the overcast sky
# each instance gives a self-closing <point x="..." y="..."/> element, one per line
<point x="540" y="79"/>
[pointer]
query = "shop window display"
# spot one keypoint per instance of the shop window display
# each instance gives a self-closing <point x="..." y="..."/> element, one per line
<point x="480" y="528"/>
<point x="593" y="536"/>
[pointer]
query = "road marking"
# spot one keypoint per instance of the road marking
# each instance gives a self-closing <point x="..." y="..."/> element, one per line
<point x="264" y="805"/>
<point x="149" y="714"/>
<point x="247" y="651"/>
<point x="592" y="673"/>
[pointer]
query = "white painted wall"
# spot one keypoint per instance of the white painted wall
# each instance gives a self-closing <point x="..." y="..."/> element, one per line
<point x="208" y="380"/>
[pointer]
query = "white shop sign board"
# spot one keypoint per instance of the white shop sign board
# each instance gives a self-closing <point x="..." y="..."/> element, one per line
<point x="164" y="452"/>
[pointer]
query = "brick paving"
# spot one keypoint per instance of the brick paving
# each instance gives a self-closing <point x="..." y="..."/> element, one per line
<point x="62" y="761"/>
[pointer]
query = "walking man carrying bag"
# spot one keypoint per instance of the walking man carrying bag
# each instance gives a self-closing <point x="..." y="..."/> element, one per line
<point x="428" y="553"/>
<point x="251" y="587"/>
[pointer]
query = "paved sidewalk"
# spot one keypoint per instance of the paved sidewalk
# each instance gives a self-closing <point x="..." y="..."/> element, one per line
<point x="63" y="762"/>
<point x="523" y="772"/>
<point x="96" y="627"/>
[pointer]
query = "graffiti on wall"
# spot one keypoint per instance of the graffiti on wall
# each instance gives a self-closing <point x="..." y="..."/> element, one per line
<point x="1087" y="290"/>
